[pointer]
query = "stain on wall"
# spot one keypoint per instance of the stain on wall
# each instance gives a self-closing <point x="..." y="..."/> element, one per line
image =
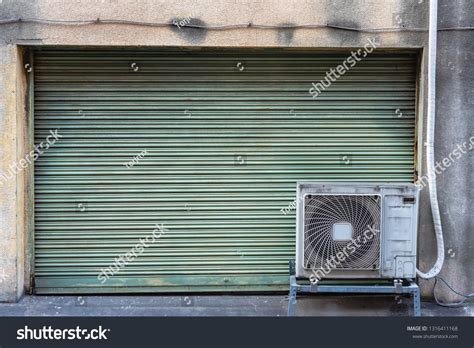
<point x="187" y="30"/>
<point x="285" y="35"/>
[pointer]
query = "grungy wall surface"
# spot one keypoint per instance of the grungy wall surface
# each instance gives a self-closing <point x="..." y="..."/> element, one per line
<point x="12" y="189"/>
<point x="8" y="231"/>
<point x="455" y="90"/>
<point x="345" y="13"/>
<point x="454" y="135"/>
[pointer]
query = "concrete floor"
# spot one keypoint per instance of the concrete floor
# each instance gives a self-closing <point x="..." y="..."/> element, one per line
<point x="222" y="305"/>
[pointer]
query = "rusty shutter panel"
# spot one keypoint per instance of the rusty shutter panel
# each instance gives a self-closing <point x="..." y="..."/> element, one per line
<point x="227" y="135"/>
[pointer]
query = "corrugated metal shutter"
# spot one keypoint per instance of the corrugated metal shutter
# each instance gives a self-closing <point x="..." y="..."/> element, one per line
<point x="228" y="133"/>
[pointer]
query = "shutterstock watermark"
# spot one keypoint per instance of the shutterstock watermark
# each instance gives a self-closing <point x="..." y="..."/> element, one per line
<point x="123" y="260"/>
<point x="291" y="206"/>
<point x="49" y="333"/>
<point x="182" y="22"/>
<point x="340" y="257"/>
<point x="446" y="162"/>
<point x="335" y="73"/>
<point x="136" y="159"/>
<point x="38" y="150"/>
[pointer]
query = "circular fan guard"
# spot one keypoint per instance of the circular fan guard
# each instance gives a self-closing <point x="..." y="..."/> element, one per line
<point x="321" y="212"/>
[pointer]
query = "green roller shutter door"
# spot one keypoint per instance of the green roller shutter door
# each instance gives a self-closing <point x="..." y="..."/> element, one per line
<point x="227" y="135"/>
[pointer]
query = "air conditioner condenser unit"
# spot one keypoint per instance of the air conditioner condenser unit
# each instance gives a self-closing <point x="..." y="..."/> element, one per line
<point x="356" y="230"/>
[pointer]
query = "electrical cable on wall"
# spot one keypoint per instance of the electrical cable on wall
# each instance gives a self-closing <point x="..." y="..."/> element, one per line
<point x="466" y="297"/>
<point x="217" y="27"/>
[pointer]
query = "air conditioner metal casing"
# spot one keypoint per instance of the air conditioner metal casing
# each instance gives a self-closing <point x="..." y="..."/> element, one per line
<point x="398" y="227"/>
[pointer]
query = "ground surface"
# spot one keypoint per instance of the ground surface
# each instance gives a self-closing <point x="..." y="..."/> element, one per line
<point x="222" y="305"/>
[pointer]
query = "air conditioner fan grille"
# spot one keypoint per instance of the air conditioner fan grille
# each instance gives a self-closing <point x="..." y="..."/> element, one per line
<point x="347" y="224"/>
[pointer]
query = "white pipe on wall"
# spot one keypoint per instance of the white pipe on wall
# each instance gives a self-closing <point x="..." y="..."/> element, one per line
<point x="430" y="134"/>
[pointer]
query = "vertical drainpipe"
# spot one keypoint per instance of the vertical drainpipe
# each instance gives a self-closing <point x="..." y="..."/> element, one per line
<point x="430" y="134"/>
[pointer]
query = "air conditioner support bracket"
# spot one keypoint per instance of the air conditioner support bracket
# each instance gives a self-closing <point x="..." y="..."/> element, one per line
<point x="410" y="288"/>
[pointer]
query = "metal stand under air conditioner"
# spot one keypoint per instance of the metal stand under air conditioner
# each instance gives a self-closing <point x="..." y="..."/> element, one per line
<point x="397" y="288"/>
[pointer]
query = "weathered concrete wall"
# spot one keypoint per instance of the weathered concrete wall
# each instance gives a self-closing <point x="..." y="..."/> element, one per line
<point x="454" y="127"/>
<point x="348" y="13"/>
<point x="11" y="212"/>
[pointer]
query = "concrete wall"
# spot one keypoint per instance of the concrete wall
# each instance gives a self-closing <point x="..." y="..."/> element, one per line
<point x="454" y="127"/>
<point x="348" y="13"/>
